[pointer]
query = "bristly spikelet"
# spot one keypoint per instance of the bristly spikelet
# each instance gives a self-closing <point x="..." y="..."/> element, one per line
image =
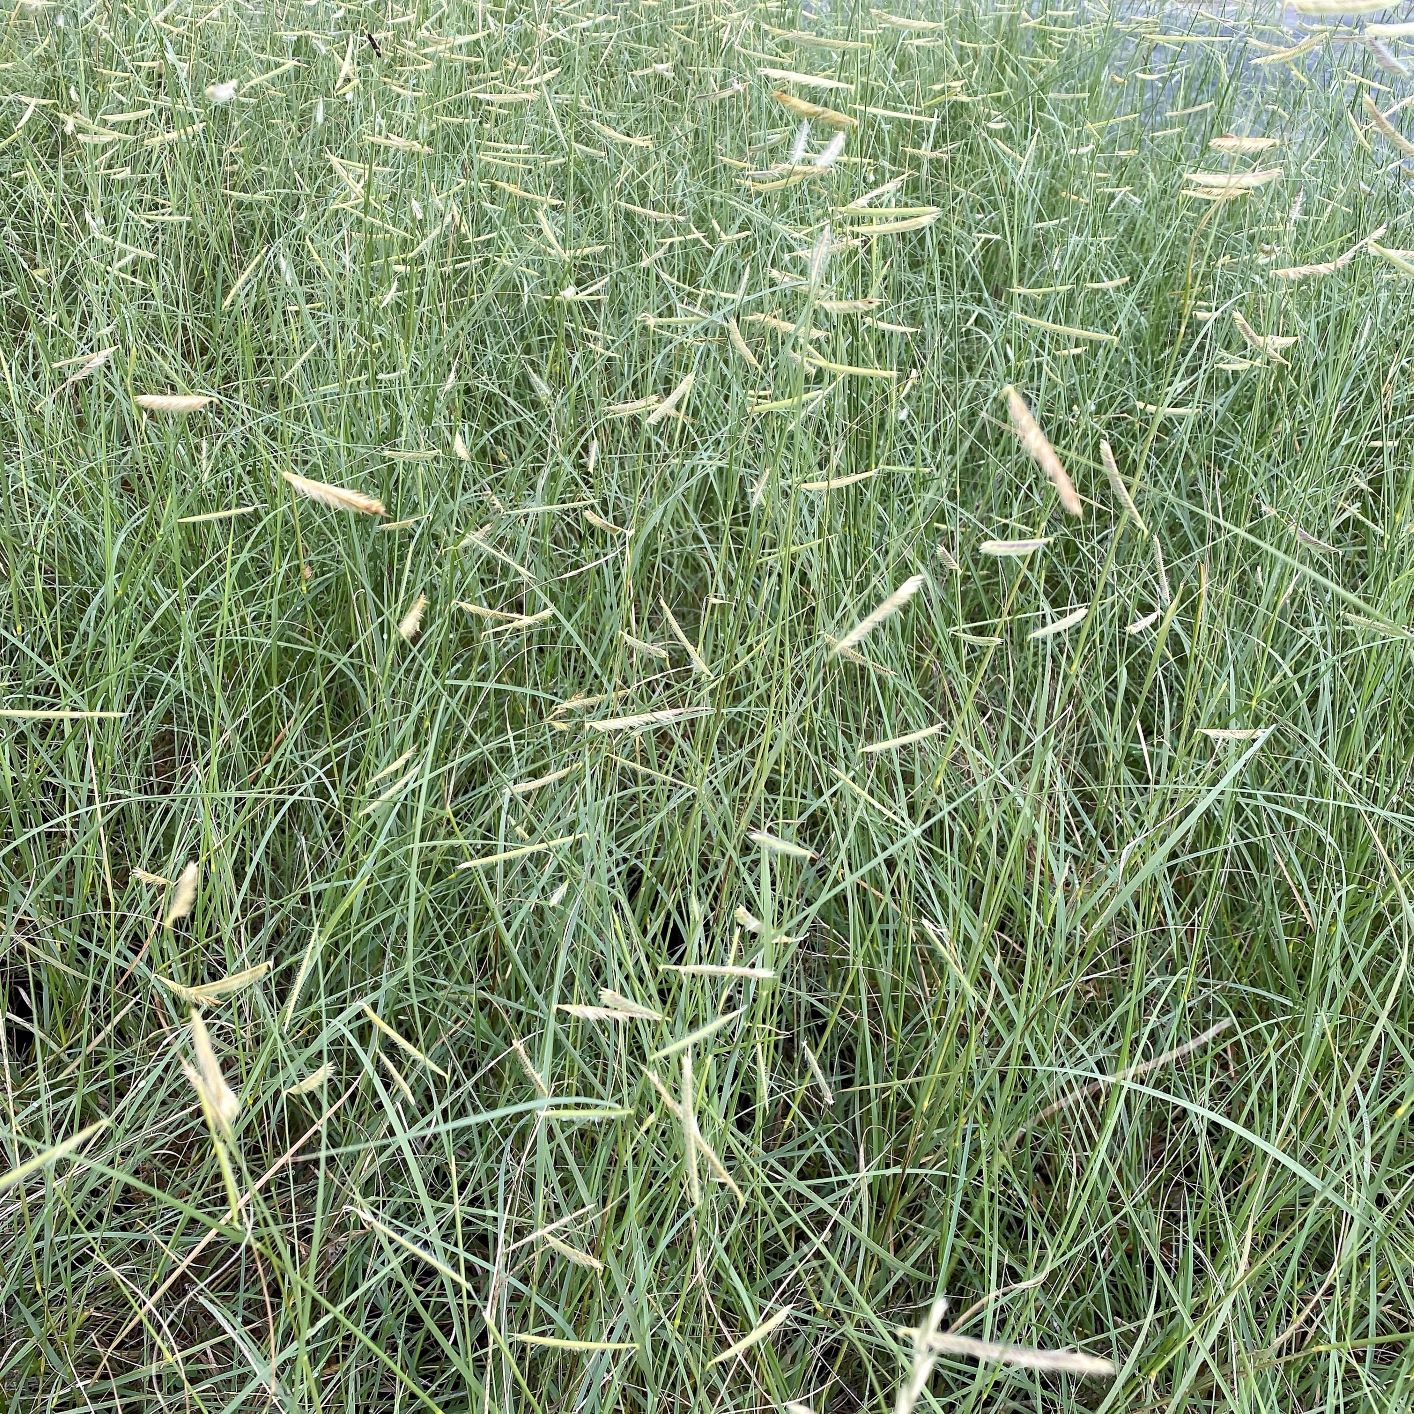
<point x="1071" y="1362"/>
<point x="312" y="1081"/>
<point x="1329" y="8"/>
<point x="831" y="153"/>
<point x="626" y="1006"/>
<point x="1387" y="128"/>
<point x="1040" y="450"/>
<point x="1227" y="183"/>
<point x="1273" y="345"/>
<point x="1014" y="549"/>
<point x="1107" y="459"/>
<point x="876" y="616"/>
<point x="1233" y="143"/>
<point x="217" y="1098"/>
<point x="183" y="895"/>
<point x="173" y="403"/>
<point x="819" y="256"/>
<point x="802" y="108"/>
<point x="411" y="624"/>
<point x="1060" y="625"/>
<point x="1165" y="593"/>
<point x="669" y="404"/>
<point x="209" y="993"/>
<point x="1384" y="58"/>
<point x="1329" y="267"/>
<point x="340" y="497"/>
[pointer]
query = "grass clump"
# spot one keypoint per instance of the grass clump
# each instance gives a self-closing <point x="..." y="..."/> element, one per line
<point x="703" y="708"/>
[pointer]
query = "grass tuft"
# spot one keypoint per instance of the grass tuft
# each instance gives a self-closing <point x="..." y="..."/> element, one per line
<point x="594" y="975"/>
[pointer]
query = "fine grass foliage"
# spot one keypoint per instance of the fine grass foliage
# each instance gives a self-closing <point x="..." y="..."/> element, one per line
<point x="704" y="706"/>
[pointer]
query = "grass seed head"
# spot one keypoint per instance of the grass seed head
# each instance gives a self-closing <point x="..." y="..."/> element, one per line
<point x="183" y="898"/>
<point x="219" y="1101"/>
<point x="1038" y="447"/>
<point x="339" y="497"/>
<point x="411" y="623"/>
<point x="173" y="404"/>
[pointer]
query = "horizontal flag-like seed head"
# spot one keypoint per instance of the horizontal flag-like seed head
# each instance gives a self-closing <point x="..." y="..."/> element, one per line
<point x="173" y="404"/>
<point x="340" y="497"/>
